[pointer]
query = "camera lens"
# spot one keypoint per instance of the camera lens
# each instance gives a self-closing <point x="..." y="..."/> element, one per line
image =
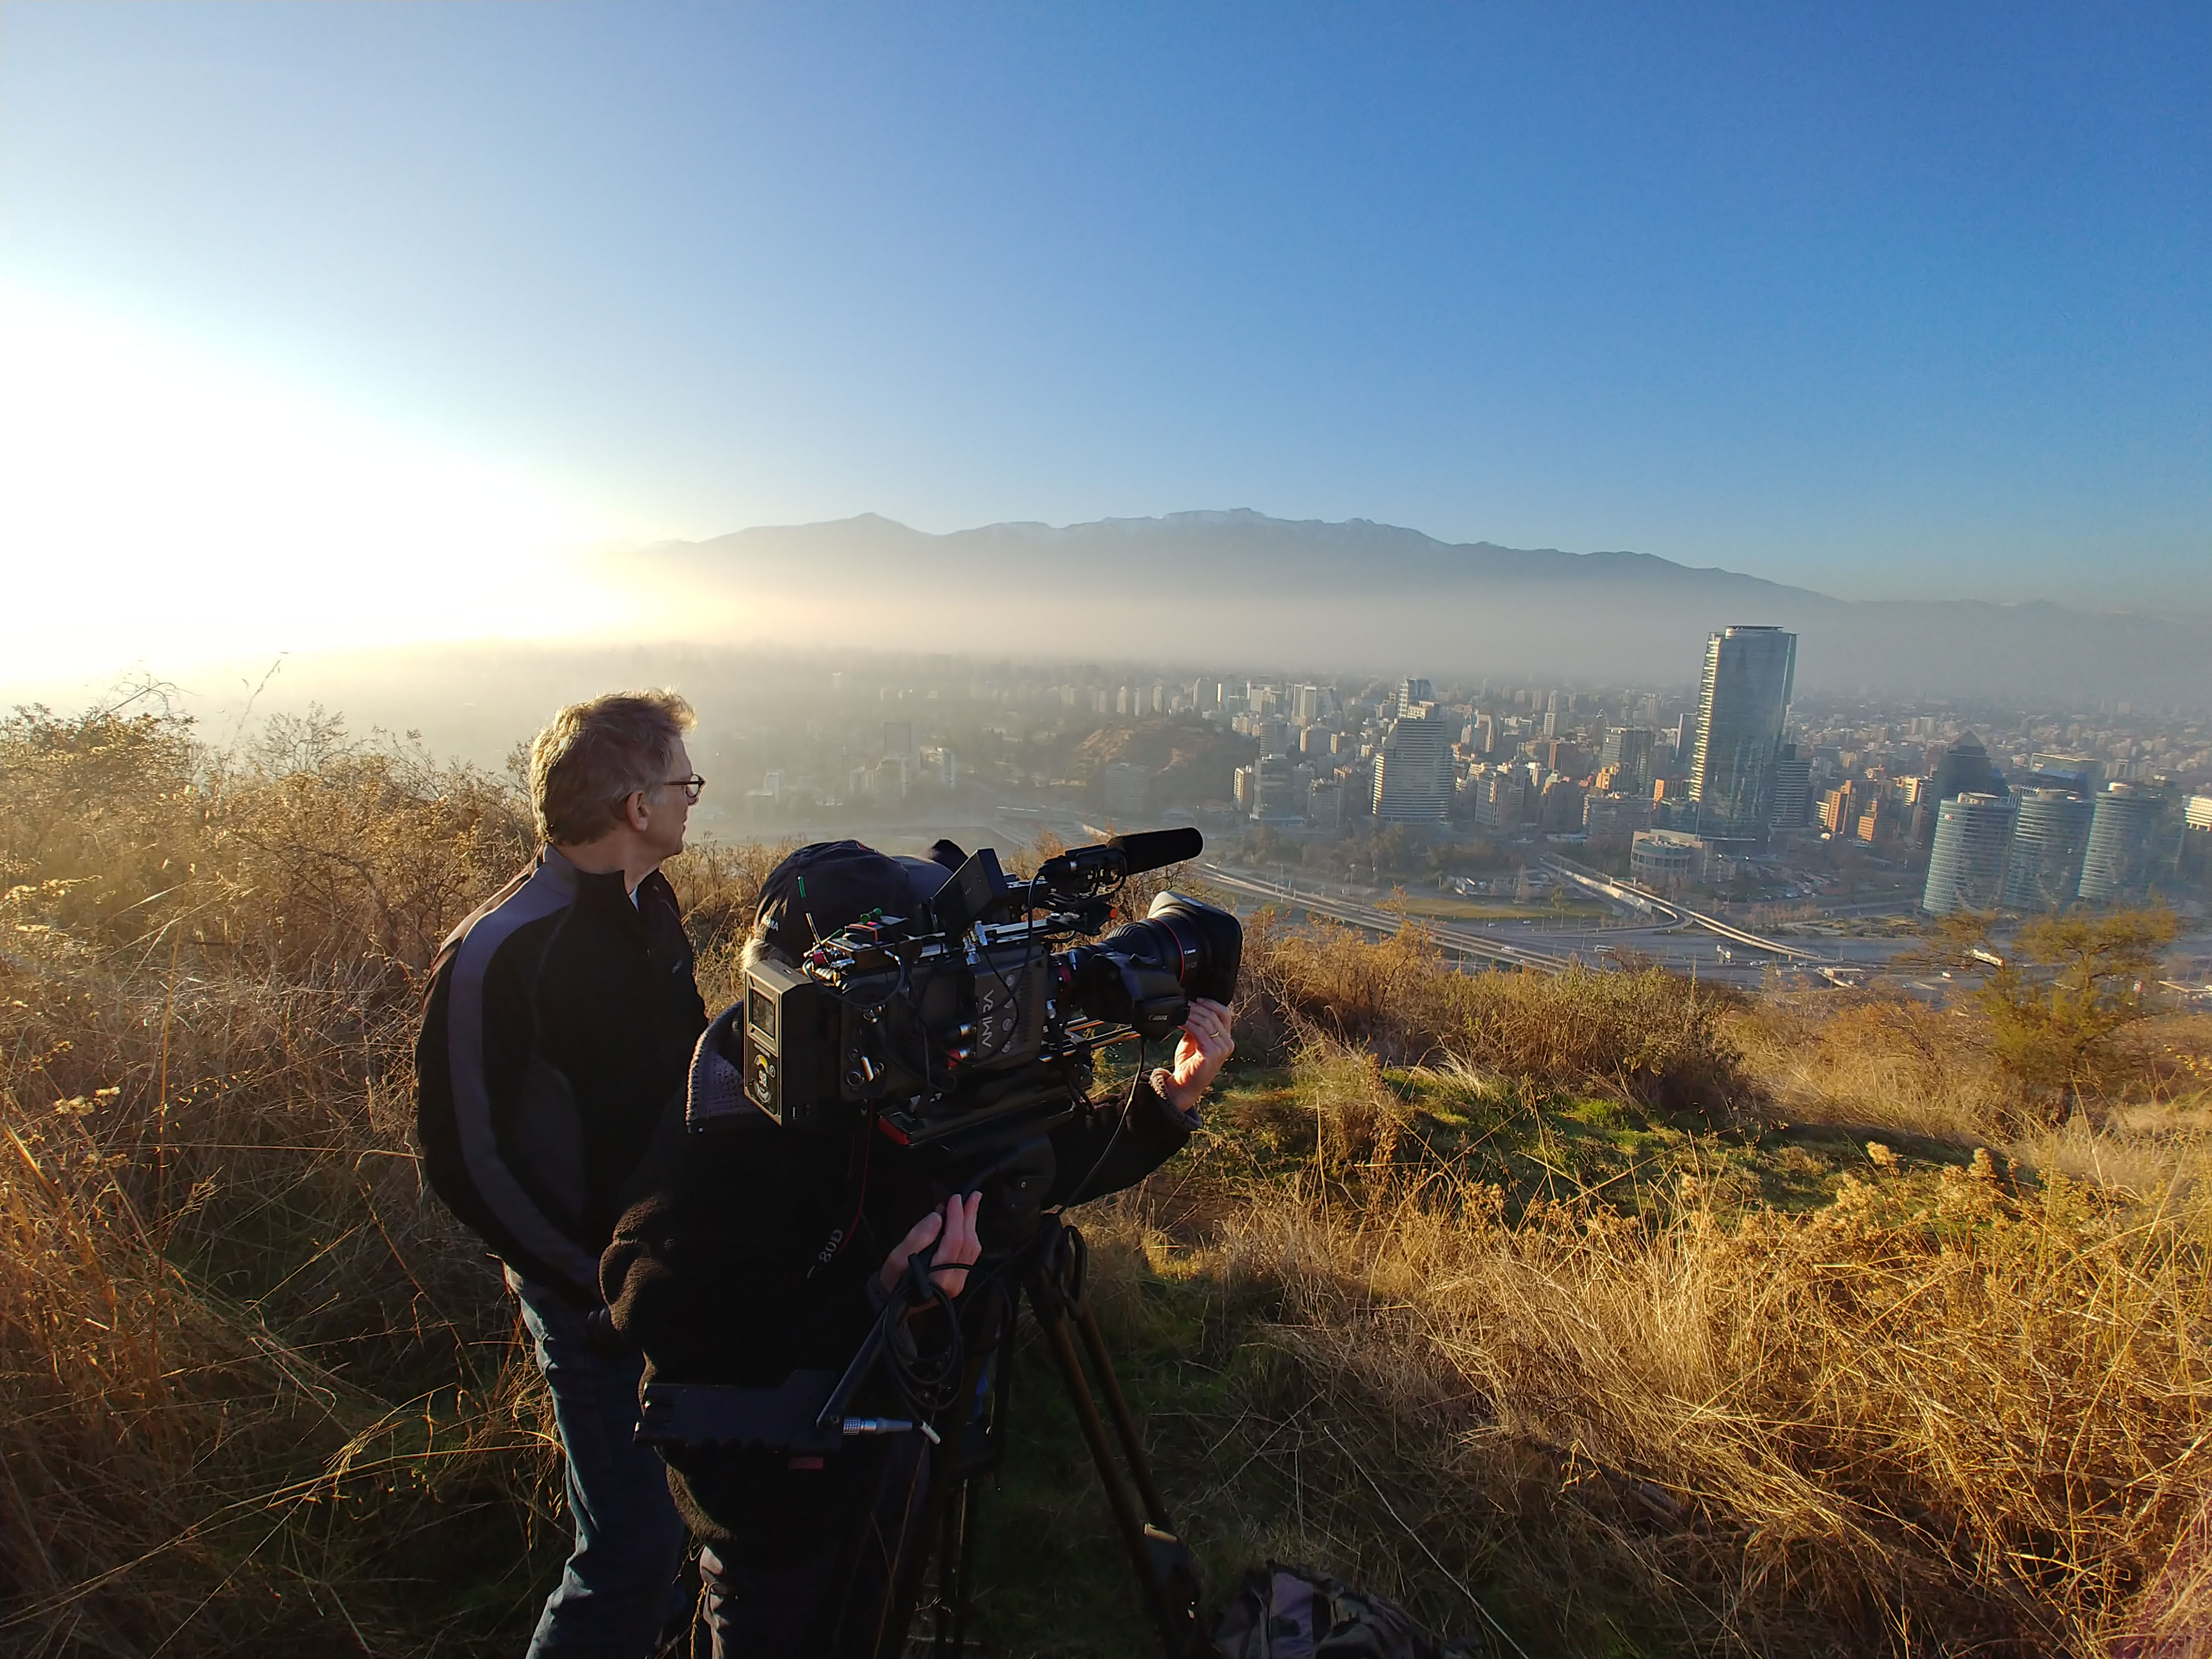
<point x="1201" y="945"/>
<point x="1144" y="974"/>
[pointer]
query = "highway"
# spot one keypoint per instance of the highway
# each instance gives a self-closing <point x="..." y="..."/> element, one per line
<point x="1673" y="936"/>
<point x="1650" y="928"/>
<point x="1453" y="938"/>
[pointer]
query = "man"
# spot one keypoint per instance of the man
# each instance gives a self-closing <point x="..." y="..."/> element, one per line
<point x="773" y="1249"/>
<point x="551" y="1073"/>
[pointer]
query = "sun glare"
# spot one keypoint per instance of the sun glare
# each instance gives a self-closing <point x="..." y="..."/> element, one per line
<point x="160" y="507"/>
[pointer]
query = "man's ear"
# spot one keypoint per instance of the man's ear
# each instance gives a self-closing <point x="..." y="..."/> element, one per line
<point x="635" y="812"/>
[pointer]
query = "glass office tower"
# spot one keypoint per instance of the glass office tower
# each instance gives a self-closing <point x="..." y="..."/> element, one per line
<point x="2117" y="864"/>
<point x="1742" y="709"/>
<point x="1965" y="769"/>
<point x="1973" y="836"/>
<point x="2049" y="833"/>
<point x="1414" y="772"/>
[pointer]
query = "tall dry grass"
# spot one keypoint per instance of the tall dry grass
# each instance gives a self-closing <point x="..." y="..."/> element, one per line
<point x="255" y="1395"/>
<point x="257" y="1392"/>
<point x="1875" y="1062"/>
<point x="1955" y="1409"/>
<point x="253" y="1385"/>
<point x="1946" y="1412"/>
<point x="1878" y="1064"/>
<point x="1950" y="1421"/>
<point x="1647" y="1036"/>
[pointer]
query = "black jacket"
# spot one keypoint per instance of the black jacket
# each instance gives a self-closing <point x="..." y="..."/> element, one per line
<point x="550" y="1066"/>
<point x="758" y="1259"/>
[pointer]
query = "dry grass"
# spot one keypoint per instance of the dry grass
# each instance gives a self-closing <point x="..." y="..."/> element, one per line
<point x="255" y="1395"/>
<point x="1931" y="1416"/>
<point x="257" y="1392"/>
<point x="1872" y="1061"/>
<point x="253" y="1382"/>
<point x="1648" y="1036"/>
<point x="1953" y="1409"/>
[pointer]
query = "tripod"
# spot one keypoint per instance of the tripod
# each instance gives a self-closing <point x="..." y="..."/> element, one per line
<point x="1048" y="1268"/>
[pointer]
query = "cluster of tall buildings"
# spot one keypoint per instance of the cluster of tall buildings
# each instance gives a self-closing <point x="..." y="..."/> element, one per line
<point x="1709" y="788"/>
<point x="2042" y="849"/>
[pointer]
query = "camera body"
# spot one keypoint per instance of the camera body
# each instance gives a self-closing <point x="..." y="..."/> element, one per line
<point x="987" y="1003"/>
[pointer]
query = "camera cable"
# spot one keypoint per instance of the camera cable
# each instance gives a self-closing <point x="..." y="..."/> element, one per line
<point x="926" y="1382"/>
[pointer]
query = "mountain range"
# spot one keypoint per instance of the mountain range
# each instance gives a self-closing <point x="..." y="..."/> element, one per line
<point x="1240" y="588"/>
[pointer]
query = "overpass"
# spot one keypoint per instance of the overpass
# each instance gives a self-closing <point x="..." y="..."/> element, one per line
<point x="1463" y="943"/>
<point x="1643" y="899"/>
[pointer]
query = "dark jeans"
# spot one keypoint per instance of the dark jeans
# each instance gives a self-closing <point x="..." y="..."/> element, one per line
<point x="845" y="1597"/>
<point x="620" y="1592"/>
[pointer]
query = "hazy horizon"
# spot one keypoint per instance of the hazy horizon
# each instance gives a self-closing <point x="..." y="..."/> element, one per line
<point x="1256" y="590"/>
<point x="330" y="326"/>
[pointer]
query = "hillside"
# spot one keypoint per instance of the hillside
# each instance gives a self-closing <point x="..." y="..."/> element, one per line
<point x="1242" y="587"/>
<point x="1190" y="764"/>
<point x="1591" y="1314"/>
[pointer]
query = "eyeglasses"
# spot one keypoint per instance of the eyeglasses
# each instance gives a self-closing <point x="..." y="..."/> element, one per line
<point x="691" y="786"/>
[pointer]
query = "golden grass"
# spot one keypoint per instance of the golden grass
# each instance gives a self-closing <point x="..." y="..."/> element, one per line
<point x="1938" y="1414"/>
<point x="257" y="1394"/>
<point x="253" y="1382"/>
<point x="1873" y="1061"/>
<point x="1647" y="1036"/>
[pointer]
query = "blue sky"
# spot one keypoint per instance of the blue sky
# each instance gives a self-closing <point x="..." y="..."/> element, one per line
<point x="1892" y="301"/>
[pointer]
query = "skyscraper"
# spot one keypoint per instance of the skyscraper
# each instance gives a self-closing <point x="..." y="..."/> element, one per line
<point x="2053" y="769"/>
<point x="1277" y="789"/>
<point x="1793" y="788"/>
<point x="1965" y="769"/>
<point x="2117" y="864"/>
<point x="1627" y="749"/>
<point x="1411" y="693"/>
<point x="1743" y="707"/>
<point x="2051" y="831"/>
<point x="1414" y="772"/>
<point x="2194" y="856"/>
<point x="1973" y="834"/>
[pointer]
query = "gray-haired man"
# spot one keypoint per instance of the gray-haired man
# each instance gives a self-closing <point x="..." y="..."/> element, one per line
<point x="550" y="1071"/>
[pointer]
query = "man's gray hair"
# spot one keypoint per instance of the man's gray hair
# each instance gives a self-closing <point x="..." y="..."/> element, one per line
<point x="593" y="756"/>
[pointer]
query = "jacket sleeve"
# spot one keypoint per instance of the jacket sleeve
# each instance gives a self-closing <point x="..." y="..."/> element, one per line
<point x="1105" y="1151"/>
<point x="475" y="1046"/>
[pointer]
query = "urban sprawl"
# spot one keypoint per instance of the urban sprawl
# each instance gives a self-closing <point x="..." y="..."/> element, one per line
<point x="1807" y="816"/>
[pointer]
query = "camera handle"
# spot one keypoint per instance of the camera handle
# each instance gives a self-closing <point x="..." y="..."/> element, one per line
<point x="1052" y="1263"/>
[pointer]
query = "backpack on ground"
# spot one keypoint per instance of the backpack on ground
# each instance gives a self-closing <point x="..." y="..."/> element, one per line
<point x="1287" y="1613"/>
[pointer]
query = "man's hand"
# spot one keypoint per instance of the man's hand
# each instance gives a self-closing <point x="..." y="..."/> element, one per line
<point x="948" y="1267"/>
<point x="1200" y="1053"/>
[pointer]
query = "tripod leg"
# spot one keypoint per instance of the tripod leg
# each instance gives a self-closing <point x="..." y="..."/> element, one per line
<point x="1125" y="1426"/>
<point x="986" y="1386"/>
<point x="952" y="1554"/>
<point x="964" y="1557"/>
<point x="1175" y="1623"/>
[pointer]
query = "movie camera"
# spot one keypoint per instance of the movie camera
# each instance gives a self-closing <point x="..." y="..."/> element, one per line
<point x="987" y="999"/>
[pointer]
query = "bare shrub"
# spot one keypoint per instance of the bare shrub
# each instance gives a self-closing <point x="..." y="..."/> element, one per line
<point x="1876" y="1063"/>
<point x="718" y="885"/>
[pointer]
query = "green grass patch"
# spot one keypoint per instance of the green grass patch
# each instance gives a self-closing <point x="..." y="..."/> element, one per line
<point x="1466" y="909"/>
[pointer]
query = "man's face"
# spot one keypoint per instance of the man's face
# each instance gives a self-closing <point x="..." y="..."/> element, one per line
<point x="670" y="810"/>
